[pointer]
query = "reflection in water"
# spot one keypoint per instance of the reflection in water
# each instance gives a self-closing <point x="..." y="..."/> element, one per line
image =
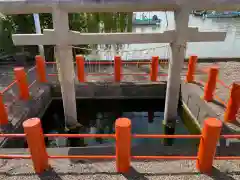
<point x="99" y="115"/>
<point x="140" y="125"/>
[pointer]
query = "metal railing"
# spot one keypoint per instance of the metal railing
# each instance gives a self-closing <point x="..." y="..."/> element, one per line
<point x="209" y="87"/>
<point x="233" y="104"/>
<point x="38" y="152"/>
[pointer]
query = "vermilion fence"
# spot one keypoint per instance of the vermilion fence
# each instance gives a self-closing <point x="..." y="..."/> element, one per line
<point x="233" y="104"/>
<point x="21" y="80"/>
<point x="117" y="71"/>
<point x="35" y="136"/>
<point x="204" y="159"/>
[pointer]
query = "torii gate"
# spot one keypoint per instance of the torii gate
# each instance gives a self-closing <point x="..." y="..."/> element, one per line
<point x="63" y="38"/>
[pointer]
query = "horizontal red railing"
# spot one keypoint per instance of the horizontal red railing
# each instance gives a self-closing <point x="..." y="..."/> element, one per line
<point x="166" y="157"/>
<point x="110" y="62"/>
<point x="230" y="136"/>
<point x="153" y="136"/>
<point x="13" y="156"/>
<point x="12" y="135"/>
<point x="32" y="84"/>
<point x="223" y="84"/>
<point x="111" y="74"/>
<point x="166" y="136"/>
<point x="35" y="140"/>
<point x="83" y="157"/>
<point x="233" y="104"/>
<point x="227" y="158"/>
<point x="81" y="135"/>
<point x="8" y="87"/>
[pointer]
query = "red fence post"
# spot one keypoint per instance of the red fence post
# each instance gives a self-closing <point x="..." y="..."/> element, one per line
<point x="191" y="69"/>
<point x="154" y="68"/>
<point x="123" y="144"/>
<point x="21" y="78"/>
<point x="41" y="69"/>
<point x="207" y="148"/>
<point x="36" y="144"/>
<point x="117" y="68"/>
<point x="233" y="104"/>
<point x="211" y="84"/>
<point x="3" y="112"/>
<point x="80" y="68"/>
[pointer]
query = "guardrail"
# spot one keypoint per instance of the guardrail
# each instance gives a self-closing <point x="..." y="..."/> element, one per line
<point x="38" y="152"/>
<point x="233" y="104"/>
<point x="21" y="81"/>
<point x="117" y="72"/>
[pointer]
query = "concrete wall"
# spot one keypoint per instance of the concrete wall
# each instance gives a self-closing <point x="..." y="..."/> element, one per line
<point x="199" y="109"/>
<point x="22" y="110"/>
<point x="116" y="90"/>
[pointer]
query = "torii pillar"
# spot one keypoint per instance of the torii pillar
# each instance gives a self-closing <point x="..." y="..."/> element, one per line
<point x="174" y="72"/>
<point x="64" y="58"/>
<point x="65" y="66"/>
<point x="178" y="48"/>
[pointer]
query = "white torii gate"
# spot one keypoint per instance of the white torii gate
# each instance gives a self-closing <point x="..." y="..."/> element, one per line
<point x="63" y="38"/>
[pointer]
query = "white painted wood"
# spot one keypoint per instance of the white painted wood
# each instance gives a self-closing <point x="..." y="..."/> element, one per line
<point x="121" y="38"/>
<point x="178" y="48"/>
<point x="193" y="35"/>
<point x="33" y="39"/>
<point x="45" y="6"/>
<point x="38" y="31"/>
<point x="75" y="38"/>
<point x="48" y="38"/>
<point x="65" y="66"/>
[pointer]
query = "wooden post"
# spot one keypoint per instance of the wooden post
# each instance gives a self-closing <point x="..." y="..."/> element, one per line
<point x="80" y="68"/>
<point x="154" y="68"/>
<point x="22" y="83"/>
<point x="3" y="112"/>
<point x="65" y="65"/>
<point x="36" y="144"/>
<point x="41" y="69"/>
<point x="191" y="69"/>
<point x="211" y="84"/>
<point x="150" y="116"/>
<point x="117" y="68"/>
<point x="233" y="104"/>
<point x="207" y="148"/>
<point x="123" y="144"/>
<point x="176" y="62"/>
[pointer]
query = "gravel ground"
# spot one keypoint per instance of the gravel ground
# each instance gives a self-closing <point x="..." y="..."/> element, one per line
<point x="165" y="170"/>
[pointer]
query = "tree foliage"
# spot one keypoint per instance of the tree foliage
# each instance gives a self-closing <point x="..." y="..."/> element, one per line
<point x="83" y="22"/>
